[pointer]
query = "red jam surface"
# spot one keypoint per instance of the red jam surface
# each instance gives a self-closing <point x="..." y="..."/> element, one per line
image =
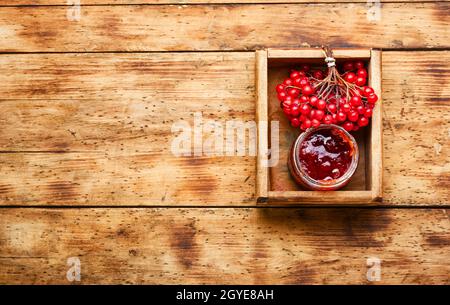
<point x="325" y="154"/>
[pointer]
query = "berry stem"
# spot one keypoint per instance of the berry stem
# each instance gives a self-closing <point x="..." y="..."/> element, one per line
<point x="334" y="82"/>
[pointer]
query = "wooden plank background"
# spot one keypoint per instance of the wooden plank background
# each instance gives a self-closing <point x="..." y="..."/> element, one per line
<point x="238" y="246"/>
<point x="222" y="27"/>
<point x="181" y="2"/>
<point x="87" y="108"/>
<point x="55" y="119"/>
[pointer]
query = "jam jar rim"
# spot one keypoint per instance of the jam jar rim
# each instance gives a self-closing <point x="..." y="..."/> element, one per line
<point x="326" y="184"/>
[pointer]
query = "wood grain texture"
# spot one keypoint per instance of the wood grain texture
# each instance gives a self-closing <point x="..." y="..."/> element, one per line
<point x="227" y="246"/>
<point x="181" y="2"/>
<point x="316" y="53"/>
<point x="416" y="131"/>
<point x="117" y="102"/>
<point x="222" y="27"/>
<point x="262" y="170"/>
<point x="376" y="132"/>
<point x="98" y="128"/>
<point x="131" y="179"/>
<point x="345" y="198"/>
<point x="94" y="129"/>
<point x="109" y="116"/>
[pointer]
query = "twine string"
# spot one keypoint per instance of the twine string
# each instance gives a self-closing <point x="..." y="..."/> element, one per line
<point x="331" y="62"/>
<point x="329" y="58"/>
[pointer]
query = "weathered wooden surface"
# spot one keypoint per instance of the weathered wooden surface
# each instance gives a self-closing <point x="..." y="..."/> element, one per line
<point x="114" y="114"/>
<point x="222" y="27"/>
<point x="239" y="246"/>
<point x="118" y="103"/>
<point x="416" y="139"/>
<point x="95" y="129"/>
<point x="136" y="2"/>
<point x="262" y="117"/>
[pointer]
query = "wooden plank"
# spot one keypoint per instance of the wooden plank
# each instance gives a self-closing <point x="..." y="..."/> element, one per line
<point x="330" y="198"/>
<point x="153" y="178"/>
<point x="94" y="105"/>
<point x="227" y="246"/>
<point x="318" y="53"/>
<point x="183" y="2"/>
<point x="222" y="27"/>
<point x="416" y="131"/>
<point x="118" y="102"/>
<point x="262" y="170"/>
<point x="376" y="132"/>
<point x="114" y="114"/>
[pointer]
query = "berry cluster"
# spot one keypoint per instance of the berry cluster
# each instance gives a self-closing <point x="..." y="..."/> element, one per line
<point x="338" y="96"/>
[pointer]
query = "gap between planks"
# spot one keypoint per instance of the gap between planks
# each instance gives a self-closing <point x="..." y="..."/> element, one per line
<point x="344" y="207"/>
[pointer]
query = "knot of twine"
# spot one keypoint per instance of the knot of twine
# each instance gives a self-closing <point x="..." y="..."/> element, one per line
<point x="331" y="62"/>
<point x="329" y="59"/>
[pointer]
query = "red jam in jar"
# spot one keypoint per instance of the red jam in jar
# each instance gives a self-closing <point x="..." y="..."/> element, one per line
<point x="324" y="158"/>
<point x="325" y="155"/>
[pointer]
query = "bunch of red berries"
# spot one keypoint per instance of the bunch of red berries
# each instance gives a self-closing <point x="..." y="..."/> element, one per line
<point x="338" y="96"/>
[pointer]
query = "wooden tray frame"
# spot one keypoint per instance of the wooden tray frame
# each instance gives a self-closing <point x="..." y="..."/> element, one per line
<point x="373" y="193"/>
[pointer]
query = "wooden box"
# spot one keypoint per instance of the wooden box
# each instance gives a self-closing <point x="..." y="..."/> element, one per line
<point x="274" y="185"/>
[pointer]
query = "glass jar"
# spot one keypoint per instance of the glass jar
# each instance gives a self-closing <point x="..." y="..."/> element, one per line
<point x="299" y="172"/>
